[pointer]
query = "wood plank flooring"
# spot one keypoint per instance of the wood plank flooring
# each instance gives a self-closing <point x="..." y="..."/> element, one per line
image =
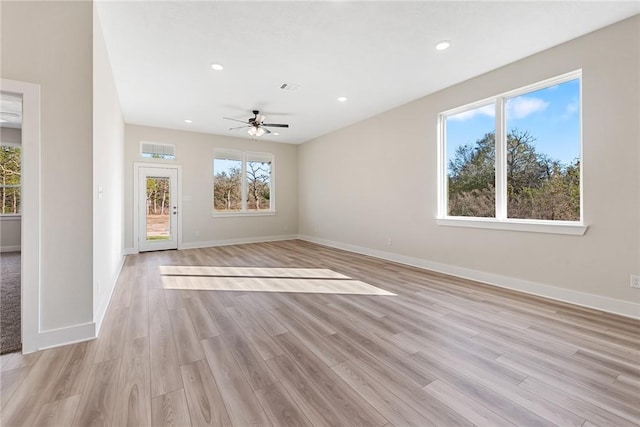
<point x="442" y="351"/>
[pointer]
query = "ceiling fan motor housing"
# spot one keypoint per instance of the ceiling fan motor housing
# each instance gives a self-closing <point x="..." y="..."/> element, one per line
<point x="257" y="126"/>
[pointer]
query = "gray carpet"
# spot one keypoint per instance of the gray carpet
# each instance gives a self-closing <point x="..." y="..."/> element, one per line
<point x="10" y="312"/>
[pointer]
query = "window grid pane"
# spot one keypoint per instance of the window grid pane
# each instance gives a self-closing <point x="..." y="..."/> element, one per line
<point x="258" y="186"/>
<point x="543" y="153"/>
<point x="227" y="187"/>
<point x="470" y="152"/>
<point x="10" y="171"/>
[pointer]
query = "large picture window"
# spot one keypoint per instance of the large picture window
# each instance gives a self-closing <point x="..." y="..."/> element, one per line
<point x="10" y="171"/>
<point x="242" y="182"/>
<point x="515" y="157"/>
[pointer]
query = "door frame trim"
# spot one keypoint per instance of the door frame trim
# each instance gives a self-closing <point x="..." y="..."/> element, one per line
<point x="136" y="200"/>
<point x="31" y="223"/>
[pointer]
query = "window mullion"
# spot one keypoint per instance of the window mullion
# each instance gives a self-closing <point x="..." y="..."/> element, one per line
<point x="501" y="160"/>
<point x="443" y="200"/>
<point x="244" y="182"/>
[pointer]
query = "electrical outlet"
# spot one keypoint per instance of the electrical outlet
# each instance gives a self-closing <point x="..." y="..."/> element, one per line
<point x="635" y="281"/>
<point x="389" y="241"/>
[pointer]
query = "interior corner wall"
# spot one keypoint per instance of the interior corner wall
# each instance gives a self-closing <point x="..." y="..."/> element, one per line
<point x="108" y="177"/>
<point x="377" y="180"/>
<point x="194" y="151"/>
<point x="49" y="43"/>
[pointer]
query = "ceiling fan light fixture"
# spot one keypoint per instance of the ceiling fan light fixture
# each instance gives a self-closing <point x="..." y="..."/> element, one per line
<point x="255" y="131"/>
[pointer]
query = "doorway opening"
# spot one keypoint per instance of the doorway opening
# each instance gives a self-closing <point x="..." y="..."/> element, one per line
<point x="10" y="222"/>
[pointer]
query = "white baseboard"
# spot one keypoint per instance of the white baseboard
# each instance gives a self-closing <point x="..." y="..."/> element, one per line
<point x="104" y="304"/>
<point x="67" y="335"/>
<point x="51" y="338"/>
<point x="15" y="248"/>
<point x="611" y="305"/>
<point x="129" y="251"/>
<point x="240" y="241"/>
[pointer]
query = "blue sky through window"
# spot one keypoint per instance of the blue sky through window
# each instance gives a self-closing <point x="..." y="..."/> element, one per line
<point x="551" y="115"/>
<point x="225" y="165"/>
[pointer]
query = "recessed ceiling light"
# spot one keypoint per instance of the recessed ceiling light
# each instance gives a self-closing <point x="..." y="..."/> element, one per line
<point x="188" y="121"/>
<point x="442" y="45"/>
<point x="217" y="67"/>
<point x="342" y="99"/>
<point x="275" y="133"/>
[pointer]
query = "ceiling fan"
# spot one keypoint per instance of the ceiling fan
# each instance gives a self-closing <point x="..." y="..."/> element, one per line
<point x="256" y="124"/>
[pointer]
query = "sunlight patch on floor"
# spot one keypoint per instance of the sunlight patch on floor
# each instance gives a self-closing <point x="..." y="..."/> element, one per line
<point x="249" y="279"/>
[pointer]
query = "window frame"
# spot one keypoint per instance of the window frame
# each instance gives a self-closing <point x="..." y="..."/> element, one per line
<point x="501" y="221"/>
<point x="11" y="216"/>
<point x="244" y="157"/>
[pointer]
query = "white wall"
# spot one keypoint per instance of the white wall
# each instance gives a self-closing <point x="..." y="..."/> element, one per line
<point x="376" y="180"/>
<point x="194" y="151"/>
<point x="50" y="43"/>
<point x="10" y="135"/>
<point x="10" y="234"/>
<point x="108" y="177"/>
<point x="10" y="226"/>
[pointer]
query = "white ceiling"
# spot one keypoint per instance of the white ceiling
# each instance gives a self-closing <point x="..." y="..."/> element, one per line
<point x="378" y="54"/>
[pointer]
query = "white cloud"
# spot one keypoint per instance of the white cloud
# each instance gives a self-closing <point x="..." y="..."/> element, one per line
<point x="487" y="110"/>
<point x="522" y="106"/>
<point x="570" y="110"/>
<point x="517" y="108"/>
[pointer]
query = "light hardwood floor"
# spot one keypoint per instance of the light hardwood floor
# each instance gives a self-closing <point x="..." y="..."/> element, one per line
<point x="443" y="351"/>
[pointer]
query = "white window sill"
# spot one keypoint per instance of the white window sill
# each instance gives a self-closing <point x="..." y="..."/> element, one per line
<point x="552" y="227"/>
<point x="242" y="214"/>
<point x="10" y="217"/>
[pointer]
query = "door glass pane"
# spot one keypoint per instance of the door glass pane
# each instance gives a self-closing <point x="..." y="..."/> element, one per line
<point x="470" y="151"/>
<point x="158" y="209"/>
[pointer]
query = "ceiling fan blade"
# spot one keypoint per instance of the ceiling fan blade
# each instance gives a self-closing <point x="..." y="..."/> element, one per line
<point x="235" y="120"/>
<point x="239" y="127"/>
<point x="275" y="125"/>
<point x="267" y="131"/>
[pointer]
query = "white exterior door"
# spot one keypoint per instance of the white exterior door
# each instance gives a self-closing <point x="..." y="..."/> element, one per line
<point x="158" y="203"/>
